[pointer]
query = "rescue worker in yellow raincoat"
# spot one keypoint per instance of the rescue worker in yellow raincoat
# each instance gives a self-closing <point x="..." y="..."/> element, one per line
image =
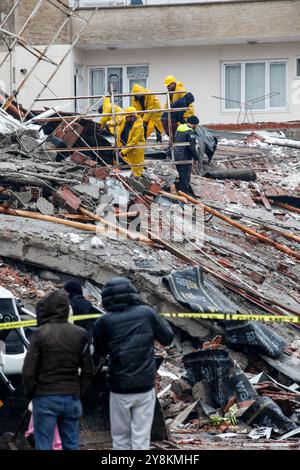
<point x="106" y="122"/>
<point x="131" y="133"/>
<point x="150" y="102"/>
<point x="177" y="100"/>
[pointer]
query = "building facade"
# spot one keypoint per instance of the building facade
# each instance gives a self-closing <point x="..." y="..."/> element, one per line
<point x="231" y="55"/>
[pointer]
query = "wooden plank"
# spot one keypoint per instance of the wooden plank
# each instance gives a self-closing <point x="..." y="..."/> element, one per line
<point x="183" y="415"/>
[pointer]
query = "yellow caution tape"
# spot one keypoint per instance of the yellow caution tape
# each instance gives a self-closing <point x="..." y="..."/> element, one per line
<point x="203" y="316"/>
<point x="236" y="317"/>
<point x="33" y="322"/>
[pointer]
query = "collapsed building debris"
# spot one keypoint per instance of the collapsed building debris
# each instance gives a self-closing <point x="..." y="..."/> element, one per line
<point x="70" y="212"/>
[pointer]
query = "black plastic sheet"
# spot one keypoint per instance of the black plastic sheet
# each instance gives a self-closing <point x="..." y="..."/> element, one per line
<point x="265" y="412"/>
<point x="189" y="288"/>
<point x="257" y="337"/>
<point x="224" y="377"/>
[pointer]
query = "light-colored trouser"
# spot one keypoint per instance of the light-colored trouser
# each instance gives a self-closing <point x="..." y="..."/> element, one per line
<point x="131" y="417"/>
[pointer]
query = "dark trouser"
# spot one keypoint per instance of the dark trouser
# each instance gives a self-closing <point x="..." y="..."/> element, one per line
<point x="61" y="410"/>
<point x="165" y="123"/>
<point x="184" y="172"/>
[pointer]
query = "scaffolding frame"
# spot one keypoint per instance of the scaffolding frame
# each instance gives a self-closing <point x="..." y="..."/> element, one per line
<point x="70" y="120"/>
<point x="43" y="53"/>
<point x="32" y="14"/>
<point x="114" y="115"/>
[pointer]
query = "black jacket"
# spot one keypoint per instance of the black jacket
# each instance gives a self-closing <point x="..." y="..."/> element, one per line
<point x="56" y="352"/>
<point x="81" y="306"/>
<point x="127" y="333"/>
<point x="185" y="134"/>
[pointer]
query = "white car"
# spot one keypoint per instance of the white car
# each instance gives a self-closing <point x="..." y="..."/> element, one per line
<point x="10" y="362"/>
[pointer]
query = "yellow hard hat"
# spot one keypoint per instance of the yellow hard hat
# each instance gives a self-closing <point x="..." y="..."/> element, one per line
<point x="169" y="79"/>
<point x="130" y="110"/>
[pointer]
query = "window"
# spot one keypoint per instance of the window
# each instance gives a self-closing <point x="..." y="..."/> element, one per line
<point x="262" y="85"/>
<point x="232" y="86"/>
<point x="298" y="67"/>
<point x="137" y="74"/>
<point x="97" y="83"/>
<point x="78" y="88"/>
<point x="121" y="77"/>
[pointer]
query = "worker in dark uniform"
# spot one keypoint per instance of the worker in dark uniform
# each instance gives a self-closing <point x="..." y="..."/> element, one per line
<point x="185" y="134"/>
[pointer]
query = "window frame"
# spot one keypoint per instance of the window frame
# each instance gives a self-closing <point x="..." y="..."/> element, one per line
<point x="296" y="67"/>
<point x="126" y="100"/>
<point x="268" y="108"/>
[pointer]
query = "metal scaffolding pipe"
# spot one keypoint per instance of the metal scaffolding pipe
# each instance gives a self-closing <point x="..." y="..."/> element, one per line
<point x="94" y="115"/>
<point x="59" y="30"/>
<point x="74" y="42"/>
<point x="88" y="97"/>
<point x="96" y="148"/>
<point x="34" y="11"/>
<point x="10" y="13"/>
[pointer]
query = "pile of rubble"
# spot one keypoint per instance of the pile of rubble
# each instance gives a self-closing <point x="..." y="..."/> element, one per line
<point x="24" y="284"/>
<point x="83" y="218"/>
<point x="213" y="394"/>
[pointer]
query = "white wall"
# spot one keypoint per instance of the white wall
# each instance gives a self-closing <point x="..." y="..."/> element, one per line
<point x="61" y="85"/>
<point x="199" y="68"/>
<point x="6" y="72"/>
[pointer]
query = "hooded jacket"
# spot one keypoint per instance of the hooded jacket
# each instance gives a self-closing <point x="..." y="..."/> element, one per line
<point x="108" y="120"/>
<point x="56" y="352"/>
<point x="186" y="134"/>
<point x="149" y="102"/>
<point x="127" y="334"/>
<point x="135" y="138"/>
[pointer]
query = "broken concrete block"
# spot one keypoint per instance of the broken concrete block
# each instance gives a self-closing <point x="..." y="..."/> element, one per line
<point x="145" y="182"/>
<point x="187" y="348"/>
<point x="94" y="181"/>
<point x="182" y="389"/>
<point x="135" y="185"/>
<point x="100" y="172"/>
<point x="49" y="276"/>
<point x="174" y="409"/>
<point x="90" y="190"/>
<point x="24" y="197"/>
<point x="201" y="391"/>
<point x="45" y="207"/>
<point x="257" y="277"/>
<point x="67" y="200"/>
<point x="75" y="238"/>
<point x="182" y="417"/>
<point x="96" y="242"/>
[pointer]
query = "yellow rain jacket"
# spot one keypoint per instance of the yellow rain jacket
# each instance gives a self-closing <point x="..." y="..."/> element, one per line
<point x="108" y="120"/>
<point x="135" y="137"/>
<point x="177" y="96"/>
<point x="151" y="102"/>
